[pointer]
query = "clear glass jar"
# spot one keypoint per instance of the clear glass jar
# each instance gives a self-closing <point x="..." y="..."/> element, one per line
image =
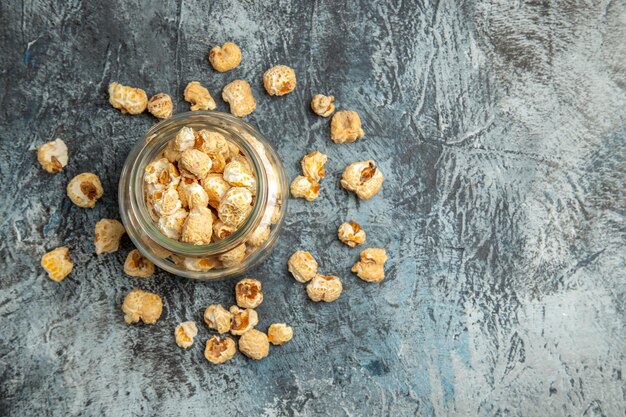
<point x="210" y="261"/>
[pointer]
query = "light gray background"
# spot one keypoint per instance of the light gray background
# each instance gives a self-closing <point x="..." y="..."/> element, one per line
<point x="500" y="127"/>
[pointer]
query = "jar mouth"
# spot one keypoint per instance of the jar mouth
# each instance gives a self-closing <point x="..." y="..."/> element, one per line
<point x="155" y="140"/>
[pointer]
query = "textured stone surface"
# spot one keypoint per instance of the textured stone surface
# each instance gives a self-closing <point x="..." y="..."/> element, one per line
<point x="500" y="127"/>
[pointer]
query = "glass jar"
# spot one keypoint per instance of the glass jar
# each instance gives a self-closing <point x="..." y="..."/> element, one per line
<point x="222" y="258"/>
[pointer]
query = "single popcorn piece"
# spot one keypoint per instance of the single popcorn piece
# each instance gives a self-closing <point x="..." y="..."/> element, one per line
<point x="85" y="189"/>
<point x="127" y="99"/>
<point x="160" y="106"/>
<point x="199" y="97"/>
<point x="53" y="156"/>
<point x="302" y="266"/>
<point x="305" y="187"/>
<point x="243" y="320"/>
<point x="324" y="288"/>
<point x="211" y="142"/>
<point x="162" y="173"/>
<point x="254" y="344"/>
<point x="279" y="80"/>
<point x="137" y="265"/>
<point x="221" y="230"/>
<point x="238" y="174"/>
<point x="323" y="105"/>
<point x="371" y="267"/>
<point x="259" y="236"/>
<point x="351" y="234"/>
<point x="142" y="305"/>
<point x="239" y="95"/>
<point x="248" y="293"/>
<point x="235" y="206"/>
<point x="279" y="334"/>
<point x="226" y="57"/>
<point x="57" y="263"/>
<point x="196" y="162"/>
<point x="313" y="165"/>
<point x="184" y="334"/>
<point x="170" y="153"/>
<point x="345" y="126"/>
<point x="218" y="318"/>
<point x="165" y="202"/>
<point x="172" y="226"/>
<point x="199" y="264"/>
<point x="233" y="257"/>
<point x="108" y="235"/>
<point x="363" y="178"/>
<point x="216" y="188"/>
<point x="192" y="194"/>
<point x="220" y="349"/>
<point x="185" y="139"/>
<point x="198" y="227"/>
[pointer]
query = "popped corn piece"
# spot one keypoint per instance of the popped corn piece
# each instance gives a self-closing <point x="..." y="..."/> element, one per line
<point x="226" y="57"/>
<point x="305" y="187"/>
<point x="172" y="226"/>
<point x="248" y="293"/>
<point x="239" y="95"/>
<point x="108" y="235"/>
<point x="279" y="334"/>
<point x="85" y="189"/>
<point x="323" y="105"/>
<point x="53" y="155"/>
<point x="233" y="257"/>
<point x="211" y="142"/>
<point x="324" y="288"/>
<point x="192" y="194"/>
<point x="363" y="178"/>
<point x="276" y="212"/>
<point x="221" y="230"/>
<point x="220" y="349"/>
<point x="218" y="318"/>
<point x="279" y="80"/>
<point x="216" y="187"/>
<point x="345" y="126"/>
<point x="254" y="344"/>
<point x="313" y="165"/>
<point x="162" y="173"/>
<point x="238" y="174"/>
<point x="302" y="266"/>
<point x="351" y="234"/>
<point x="196" y="162"/>
<point x="198" y="227"/>
<point x="235" y="206"/>
<point x="185" y="139"/>
<point x="259" y="236"/>
<point x="243" y="320"/>
<point x="234" y="152"/>
<point x="127" y="99"/>
<point x="199" y="97"/>
<point x="170" y="153"/>
<point x="57" y="263"/>
<point x="137" y="265"/>
<point x="142" y="305"/>
<point x="165" y="202"/>
<point x="184" y="334"/>
<point x="199" y="264"/>
<point x="371" y="266"/>
<point x="160" y="106"/>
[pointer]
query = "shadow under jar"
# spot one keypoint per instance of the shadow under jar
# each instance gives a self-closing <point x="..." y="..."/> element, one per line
<point x="210" y="261"/>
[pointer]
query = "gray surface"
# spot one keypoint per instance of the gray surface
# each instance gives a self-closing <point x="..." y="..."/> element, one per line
<point x="500" y="128"/>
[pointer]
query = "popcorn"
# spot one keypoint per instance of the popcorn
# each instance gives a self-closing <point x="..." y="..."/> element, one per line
<point x="279" y="80"/>
<point x="127" y="99"/>
<point x="226" y="57"/>
<point x="371" y="267"/>
<point x="345" y="126"/>
<point x="239" y="95"/>
<point x="142" y="305"/>
<point x="254" y="344"/>
<point x="57" y="263"/>
<point x="85" y="189"/>
<point x="137" y="265"/>
<point x="108" y="235"/>
<point x="363" y="178"/>
<point x="199" y="97"/>
<point x="324" y="288"/>
<point x="53" y="156"/>
<point x="184" y="334"/>
<point x="160" y="106"/>
<point x="323" y="105"/>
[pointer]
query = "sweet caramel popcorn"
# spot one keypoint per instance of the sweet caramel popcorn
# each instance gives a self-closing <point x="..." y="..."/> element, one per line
<point x="345" y="126"/>
<point x="196" y="162"/>
<point x="142" y="305"/>
<point x="165" y="202"/>
<point x="238" y="174"/>
<point x="259" y="236"/>
<point x="371" y="267"/>
<point x="254" y="344"/>
<point x="137" y="265"/>
<point x="235" y="206"/>
<point x="239" y="95"/>
<point x="220" y="349"/>
<point x="172" y="226"/>
<point x="199" y="97"/>
<point x="221" y="230"/>
<point x="160" y="106"/>
<point x="226" y="57"/>
<point x="57" y="263"/>
<point x="313" y="165"/>
<point x="302" y="266"/>
<point x="127" y="99"/>
<point x="108" y="235"/>
<point x="279" y="334"/>
<point x="162" y="173"/>
<point x="248" y="293"/>
<point x="198" y="227"/>
<point x="184" y="334"/>
<point x="323" y="105"/>
<point x="279" y="80"/>
<point x="243" y="320"/>
<point x="363" y="178"/>
<point x="53" y="156"/>
<point x="324" y="288"/>
<point x="85" y="189"/>
<point x="200" y="264"/>
<point x="211" y="143"/>
<point x="351" y="234"/>
<point x="218" y="318"/>
<point x="185" y="139"/>
<point x="216" y="188"/>
<point x="305" y="187"/>
<point x="234" y="256"/>
<point x="192" y="194"/>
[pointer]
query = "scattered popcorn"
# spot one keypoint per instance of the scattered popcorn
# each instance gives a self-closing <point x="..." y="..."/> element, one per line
<point x="57" y="263"/>
<point x="53" y="156"/>
<point x="226" y="57"/>
<point x="305" y="187"/>
<point x="127" y="99"/>
<point x="313" y="165"/>
<point x="363" y="178"/>
<point x="172" y="225"/>
<point x="160" y="106"/>
<point x="302" y="266"/>
<point x="108" y="235"/>
<point x="351" y="234"/>
<point x="235" y="206"/>
<point x="196" y="162"/>
<point x="371" y="267"/>
<point x="216" y="188"/>
<point x="248" y="293"/>
<point x="199" y="97"/>
<point x="345" y="126"/>
<point x="324" y="288"/>
<point x="218" y="318"/>
<point x="323" y="105"/>
<point x="233" y="257"/>
<point x="220" y="349"/>
<point x="137" y="265"/>
<point x="254" y="344"/>
<point x="243" y="320"/>
<point x="198" y="227"/>
<point x="199" y="264"/>
<point x="85" y="189"/>
<point x="184" y="333"/>
<point x="239" y="95"/>
<point x="142" y="305"/>
<point x="279" y="80"/>
<point x="279" y="334"/>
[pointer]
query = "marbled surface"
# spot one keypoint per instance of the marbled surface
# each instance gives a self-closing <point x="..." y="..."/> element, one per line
<point x="500" y="126"/>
